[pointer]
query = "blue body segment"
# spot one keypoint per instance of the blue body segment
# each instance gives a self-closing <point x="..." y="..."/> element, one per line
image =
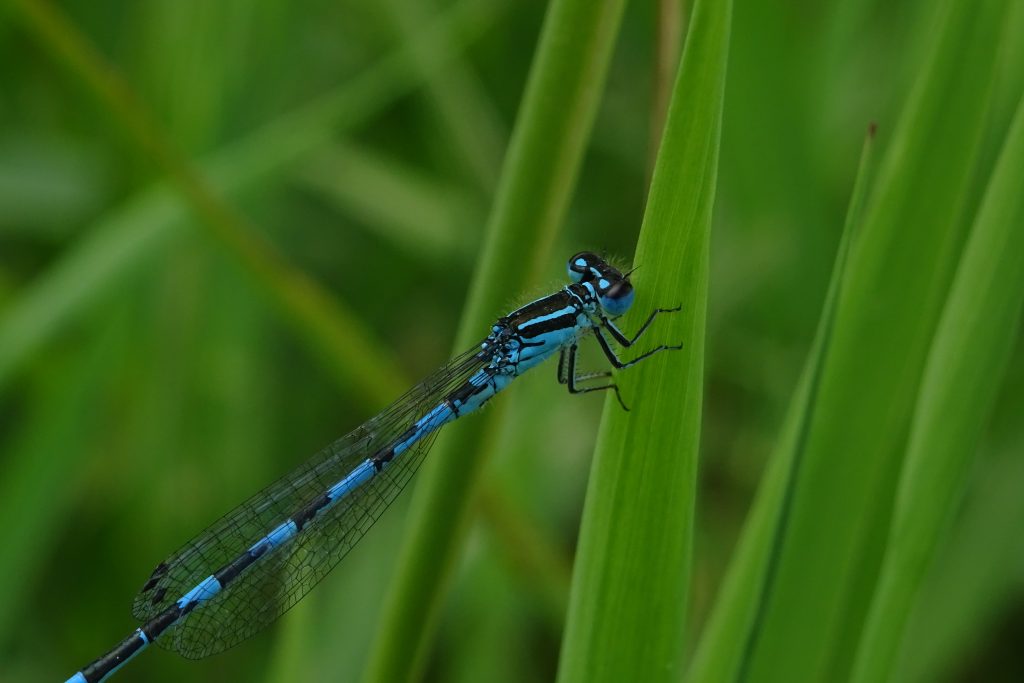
<point x="438" y="416"/>
<point x="275" y="538"/>
<point x="245" y="570"/>
<point x="351" y="482"/>
<point x="208" y="588"/>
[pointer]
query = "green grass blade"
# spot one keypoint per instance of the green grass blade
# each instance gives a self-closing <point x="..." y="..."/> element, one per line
<point x="540" y="172"/>
<point x="972" y="343"/>
<point x="628" y="604"/>
<point x="900" y="271"/>
<point x="727" y="640"/>
<point x="670" y="25"/>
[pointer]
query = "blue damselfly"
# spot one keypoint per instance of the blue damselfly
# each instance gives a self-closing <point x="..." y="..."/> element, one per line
<point x="261" y="558"/>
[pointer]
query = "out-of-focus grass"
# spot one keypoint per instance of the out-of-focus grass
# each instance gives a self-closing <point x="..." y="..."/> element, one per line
<point x="146" y="384"/>
<point x="126" y="237"/>
<point x="726" y="644"/>
<point x="537" y="183"/>
<point x="899" y="273"/>
<point x="966" y="362"/>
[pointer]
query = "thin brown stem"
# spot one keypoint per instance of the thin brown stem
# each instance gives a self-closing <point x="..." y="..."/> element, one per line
<point x="670" y="22"/>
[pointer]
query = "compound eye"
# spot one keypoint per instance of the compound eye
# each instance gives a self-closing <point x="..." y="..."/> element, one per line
<point x="617" y="298"/>
<point x="579" y="266"/>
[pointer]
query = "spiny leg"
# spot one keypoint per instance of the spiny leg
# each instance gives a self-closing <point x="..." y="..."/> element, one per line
<point x="626" y="341"/>
<point x="563" y="376"/>
<point x="567" y="375"/>
<point x="619" y="363"/>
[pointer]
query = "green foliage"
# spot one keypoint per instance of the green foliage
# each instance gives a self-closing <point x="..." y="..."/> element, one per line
<point x="542" y="164"/>
<point x="229" y="232"/>
<point x="727" y="641"/>
<point x="967" y="358"/>
<point x="900" y="269"/>
<point x="637" y="527"/>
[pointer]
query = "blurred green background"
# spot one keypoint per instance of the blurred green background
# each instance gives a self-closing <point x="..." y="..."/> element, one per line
<point x="149" y="382"/>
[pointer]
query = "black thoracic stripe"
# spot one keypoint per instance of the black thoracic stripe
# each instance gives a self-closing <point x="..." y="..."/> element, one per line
<point x="309" y="511"/>
<point x="547" y="306"/>
<point x="537" y="329"/>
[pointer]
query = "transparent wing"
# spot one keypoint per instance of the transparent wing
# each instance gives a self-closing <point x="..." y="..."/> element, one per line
<point x="281" y="577"/>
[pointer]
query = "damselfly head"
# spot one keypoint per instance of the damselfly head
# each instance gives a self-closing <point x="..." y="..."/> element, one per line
<point x="615" y="296"/>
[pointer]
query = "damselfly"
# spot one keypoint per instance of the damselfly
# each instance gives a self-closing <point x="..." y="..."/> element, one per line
<point x="247" y="569"/>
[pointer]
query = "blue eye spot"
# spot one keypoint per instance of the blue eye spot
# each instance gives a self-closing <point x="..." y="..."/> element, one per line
<point x="603" y="284"/>
<point x="584" y="266"/>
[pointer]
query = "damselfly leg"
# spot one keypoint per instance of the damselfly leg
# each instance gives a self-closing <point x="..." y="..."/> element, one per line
<point x="626" y="341"/>
<point x="567" y="358"/>
<point x="567" y="375"/>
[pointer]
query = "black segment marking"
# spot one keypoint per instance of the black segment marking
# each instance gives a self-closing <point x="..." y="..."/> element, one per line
<point x="309" y="511"/>
<point x="240" y="564"/>
<point x="113" y="659"/>
<point x="162" y="622"/>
